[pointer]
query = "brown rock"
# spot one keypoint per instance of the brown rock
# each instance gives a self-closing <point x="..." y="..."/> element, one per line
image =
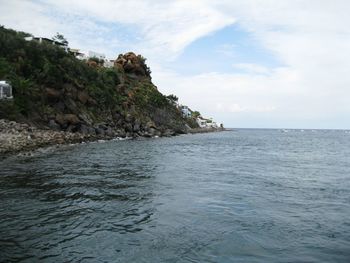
<point x="64" y="119"/>
<point x="131" y="63"/>
<point x="72" y="118"/>
<point x="52" y="93"/>
<point x="83" y="97"/>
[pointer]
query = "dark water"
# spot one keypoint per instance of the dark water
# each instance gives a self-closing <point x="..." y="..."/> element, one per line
<point x="243" y="196"/>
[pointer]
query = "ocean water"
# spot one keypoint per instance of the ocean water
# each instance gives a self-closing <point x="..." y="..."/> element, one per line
<point x="235" y="196"/>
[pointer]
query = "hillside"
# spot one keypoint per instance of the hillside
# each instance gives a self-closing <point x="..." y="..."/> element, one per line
<point x="52" y="89"/>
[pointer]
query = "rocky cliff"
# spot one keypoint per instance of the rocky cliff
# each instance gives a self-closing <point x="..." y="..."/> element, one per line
<point x="52" y="89"/>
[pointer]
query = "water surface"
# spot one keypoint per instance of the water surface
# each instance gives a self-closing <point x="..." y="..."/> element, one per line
<point x="242" y="196"/>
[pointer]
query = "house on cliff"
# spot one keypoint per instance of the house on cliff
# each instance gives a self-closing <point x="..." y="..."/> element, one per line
<point x="48" y="41"/>
<point x="206" y="123"/>
<point x="5" y="90"/>
<point x="186" y="112"/>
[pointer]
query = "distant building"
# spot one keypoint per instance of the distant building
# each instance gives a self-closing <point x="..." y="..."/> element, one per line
<point x="186" y="112"/>
<point x="5" y="90"/>
<point x="48" y="41"/>
<point x="206" y="123"/>
<point x="109" y="63"/>
<point x="212" y="125"/>
<point x="202" y="123"/>
<point x="75" y="52"/>
<point x="93" y="54"/>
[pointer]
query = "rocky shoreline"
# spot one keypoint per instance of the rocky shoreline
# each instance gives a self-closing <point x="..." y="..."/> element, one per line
<point x="21" y="137"/>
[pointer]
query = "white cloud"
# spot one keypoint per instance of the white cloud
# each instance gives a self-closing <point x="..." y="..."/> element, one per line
<point x="166" y="27"/>
<point x="251" y="68"/>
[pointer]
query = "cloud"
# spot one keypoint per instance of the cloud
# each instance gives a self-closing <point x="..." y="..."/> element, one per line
<point x="251" y="68"/>
<point x="165" y="27"/>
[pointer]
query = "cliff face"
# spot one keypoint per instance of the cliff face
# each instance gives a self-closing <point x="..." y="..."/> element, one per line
<point x="53" y="89"/>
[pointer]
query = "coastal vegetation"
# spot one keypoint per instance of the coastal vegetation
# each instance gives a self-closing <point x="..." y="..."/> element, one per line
<point x="54" y="89"/>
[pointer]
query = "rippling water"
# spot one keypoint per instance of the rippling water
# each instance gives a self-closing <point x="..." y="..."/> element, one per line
<point x="241" y="196"/>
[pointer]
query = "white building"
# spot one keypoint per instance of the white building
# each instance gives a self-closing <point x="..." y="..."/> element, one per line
<point x="48" y="41"/>
<point x="93" y="54"/>
<point x="202" y="122"/>
<point x="5" y="90"/>
<point x="186" y="112"/>
<point x="206" y="123"/>
<point x="109" y="63"/>
<point x="212" y="124"/>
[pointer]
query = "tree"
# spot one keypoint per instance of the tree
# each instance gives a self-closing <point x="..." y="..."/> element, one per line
<point x="60" y="38"/>
<point x="173" y="98"/>
<point x="196" y="114"/>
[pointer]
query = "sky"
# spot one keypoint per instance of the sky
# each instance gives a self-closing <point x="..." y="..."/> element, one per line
<point x="245" y="63"/>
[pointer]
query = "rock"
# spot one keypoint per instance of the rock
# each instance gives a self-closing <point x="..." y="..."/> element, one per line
<point x="72" y="128"/>
<point x="150" y="125"/>
<point x="128" y="118"/>
<point x="60" y="119"/>
<point x="72" y="118"/>
<point x="129" y="135"/>
<point x="132" y="64"/>
<point x="137" y="125"/>
<point x="54" y="126"/>
<point x="85" y="118"/>
<point x="92" y="102"/>
<point x="152" y="132"/>
<point x="92" y="131"/>
<point x="168" y="133"/>
<point x="84" y="129"/>
<point x="103" y="126"/>
<point x="60" y="106"/>
<point x="128" y="127"/>
<point x="83" y="97"/>
<point x="100" y="131"/>
<point x="64" y="119"/>
<point x="52" y="94"/>
<point x="109" y="132"/>
<point x="71" y="105"/>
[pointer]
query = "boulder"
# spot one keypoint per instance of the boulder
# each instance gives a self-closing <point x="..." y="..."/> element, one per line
<point x="52" y="94"/>
<point x="72" y="118"/>
<point x="60" y="106"/>
<point x="72" y="128"/>
<point x="168" y="133"/>
<point x="85" y="118"/>
<point x="128" y="118"/>
<point x="83" y="97"/>
<point x="121" y="133"/>
<point x="152" y="132"/>
<point x="150" y="125"/>
<point x="128" y="127"/>
<point x="83" y="129"/>
<point x="132" y="63"/>
<point x="54" y="126"/>
<point x="109" y="132"/>
<point x="64" y="119"/>
<point x="100" y="131"/>
<point x="137" y="125"/>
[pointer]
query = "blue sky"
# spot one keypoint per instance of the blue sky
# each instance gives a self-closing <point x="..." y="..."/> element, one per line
<point x="221" y="50"/>
<point x="246" y="63"/>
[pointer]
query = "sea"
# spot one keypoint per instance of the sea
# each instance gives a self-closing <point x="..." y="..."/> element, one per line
<point x="243" y="195"/>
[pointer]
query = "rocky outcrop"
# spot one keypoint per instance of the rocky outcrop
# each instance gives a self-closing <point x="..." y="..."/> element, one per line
<point x="132" y="64"/>
<point x="21" y="137"/>
<point x="17" y="137"/>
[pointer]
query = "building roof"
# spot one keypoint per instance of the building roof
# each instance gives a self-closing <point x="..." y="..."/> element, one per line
<point x="50" y="40"/>
<point x="3" y="83"/>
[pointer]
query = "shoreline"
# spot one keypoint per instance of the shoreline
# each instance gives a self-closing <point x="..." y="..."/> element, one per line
<point x="22" y="138"/>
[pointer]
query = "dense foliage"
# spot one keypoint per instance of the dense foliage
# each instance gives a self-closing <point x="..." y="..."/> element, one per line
<point x="48" y="81"/>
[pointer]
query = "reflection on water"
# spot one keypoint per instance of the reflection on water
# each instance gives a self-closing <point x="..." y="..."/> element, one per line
<point x="243" y="196"/>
